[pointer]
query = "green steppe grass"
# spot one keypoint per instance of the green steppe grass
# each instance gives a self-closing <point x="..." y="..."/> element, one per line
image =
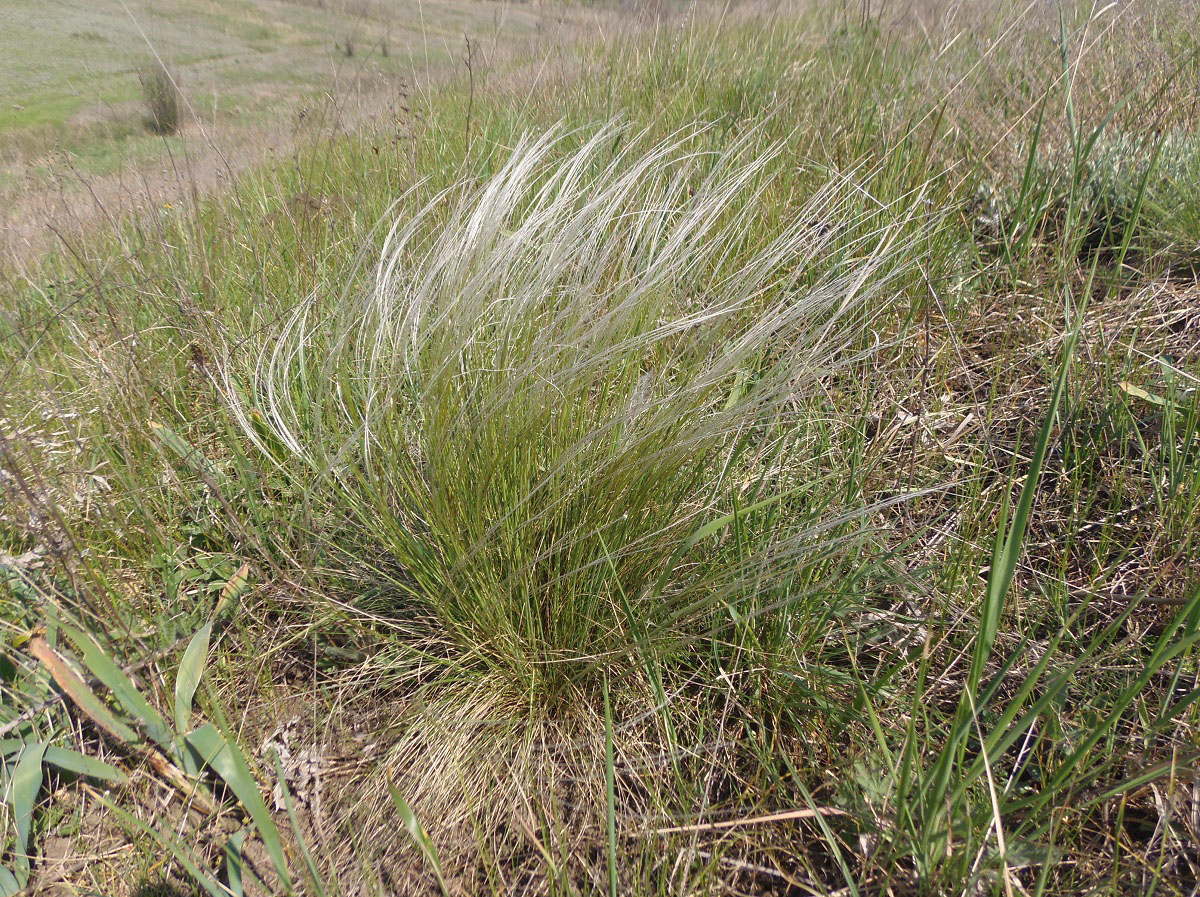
<point x="782" y="478"/>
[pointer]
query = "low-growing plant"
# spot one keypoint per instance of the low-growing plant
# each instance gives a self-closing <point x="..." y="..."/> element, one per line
<point x="40" y="679"/>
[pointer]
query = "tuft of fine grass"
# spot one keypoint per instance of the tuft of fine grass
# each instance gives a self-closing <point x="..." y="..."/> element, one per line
<point x="161" y="95"/>
<point x="543" y="400"/>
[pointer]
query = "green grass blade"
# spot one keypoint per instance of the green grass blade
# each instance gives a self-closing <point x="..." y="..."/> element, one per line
<point x="313" y="872"/>
<point x="1135" y="213"/>
<point x="81" y="764"/>
<point x="1164" y="769"/>
<point x="1023" y="213"/>
<point x="174" y="844"/>
<point x="610" y="791"/>
<point x="104" y="668"/>
<point x="217" y="752"/>
<point x="1006" y="553"/>
<point x="649" y="661"/>
<point x="417" y="832"/>
<point x="1008" y="546"/>
<point x="832" y="841"/>
<point x="235" y="865"/>
<point x="715" y="526"/>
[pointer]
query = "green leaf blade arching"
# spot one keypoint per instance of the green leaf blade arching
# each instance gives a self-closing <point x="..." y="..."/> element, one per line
<point x="22" y="797"/>
<point x="187" y="680"/>
<point x="227" y="761"/>
<point x="81" y="764"/>
<point x="104" y="668"/>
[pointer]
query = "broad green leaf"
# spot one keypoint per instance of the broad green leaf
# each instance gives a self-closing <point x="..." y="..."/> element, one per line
<point x="739" y="388"/>
<point x="114" y="679"/>
<point x="191" y="668"/>
<point x="79" y="692"/>
<point x="215" y="751"/>
<point x="234" y="864"/>
<point x="81" y="764"/>
<point x="22" y="797"/>
<point x="9" y="886"/>
<point x="191" y="456"/>
<point x="11" y="746"/>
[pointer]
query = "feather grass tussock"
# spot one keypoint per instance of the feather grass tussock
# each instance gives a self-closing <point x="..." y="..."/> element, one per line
<point x="561" y="432"/>
<point x="561" y="377"/>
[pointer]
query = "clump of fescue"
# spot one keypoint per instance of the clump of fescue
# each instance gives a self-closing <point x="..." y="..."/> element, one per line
<point x="553" y="385"/>
<point x="161" y="94"/>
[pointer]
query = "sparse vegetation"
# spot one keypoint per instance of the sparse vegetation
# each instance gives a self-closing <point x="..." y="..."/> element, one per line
<point x="763" y="457"/>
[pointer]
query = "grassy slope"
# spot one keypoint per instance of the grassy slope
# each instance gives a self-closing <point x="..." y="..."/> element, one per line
<point x="848" y="692"/>
<point x="255" y="76"/>
<point x="73" y="64"/>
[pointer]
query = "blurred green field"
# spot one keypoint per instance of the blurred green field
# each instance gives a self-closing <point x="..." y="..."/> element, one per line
<point x="255" y="75"/>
